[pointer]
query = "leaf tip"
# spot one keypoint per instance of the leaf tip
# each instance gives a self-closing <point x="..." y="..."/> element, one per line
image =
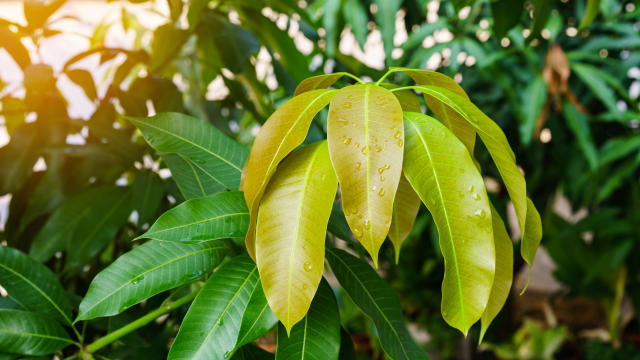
<point x="526" y="285"/>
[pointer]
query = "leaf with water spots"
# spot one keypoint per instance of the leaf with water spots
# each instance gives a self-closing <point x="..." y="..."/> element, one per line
<point x="281" y="133"/>
<point x="442" y="172"/>
<point x="366" y="138"/>
<point x="291" y="229"/>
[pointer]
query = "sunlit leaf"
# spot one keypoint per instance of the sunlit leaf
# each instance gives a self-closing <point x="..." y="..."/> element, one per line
<point x="32" y="285"/>
<point x="378" y="301"/>
<point x="291" y="228"/>
<point x="28" y="333"/>
<point x="442" y="172"/>
<point x="283" y="132"/>
<point x="504" y="272"/>
<point x="210" y="328"/>
<point x="405" y="209"/>
<point x="218" y="216"/>
<point x="365" y="136"/>
<point x="318" y="82"/>
<point x="145" y="271"/>
<point x="257" y="318"/>
<point x="532" y="235"/>
<point x="191" y="180"/>
<point x="208" y="148"/>
<point x="317" y="336"/>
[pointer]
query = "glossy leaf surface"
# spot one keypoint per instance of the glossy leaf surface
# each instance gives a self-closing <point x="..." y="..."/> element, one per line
<point x="32" y="285"/>
<point x="145" y="271"/>
<point x="208" y="148"/>
<point x="257" y="318"/>
<point x="318" y="82"/>
<point x="405" y="209"/>
<point x="378" y="301"/>
<point x="283" y="132"/>
<point x="317" y="336"/>
<point x="291" y="229"/>
<point x="210" y="328"/>
<point x="218" y="216"/>
<point x="366" y="138"/>
<point x="191" y="180"/>
<point x="28" y="333"/>
<point x="445" y="177"/>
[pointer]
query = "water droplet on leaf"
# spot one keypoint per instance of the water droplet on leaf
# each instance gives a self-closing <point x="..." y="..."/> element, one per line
<point x="381" y="192"/>
<point x="367" y="224"/>
<point x="347" y="104"/>
<point x="476" y="196"/>
<point x="480" y="214"/>
<point x="307" y="266"/>
<point x="470" y="188"/>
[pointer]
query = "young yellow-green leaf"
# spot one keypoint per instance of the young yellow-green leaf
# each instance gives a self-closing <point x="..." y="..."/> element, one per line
<point x="29" y="333"/>
<point x="405" y="209"/>
<point x="33" y="285"/>
<point x="532" y="236"/>
<point x="210" y="329"/>
<point x="290" y="231"/>
<point x="504" y="272"/>
<point x="318" y="82"/>
<point x="366" y="137"/>
<point x="145" y="271"/>
<point x="449" y="117"/>
<point x="280" y="134"/>
<point x="218" y="216"/>
<point x="441" y="170"/>
<point x="407" y="98"/>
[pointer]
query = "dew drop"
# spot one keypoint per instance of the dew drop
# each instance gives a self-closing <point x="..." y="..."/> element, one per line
<point x="383" y="169"/>
<point x="381" y="192"/>
<point x="367" y="224"/>
<point x="350" y="96"/>
<point x="374" y="188"/>
<point x="378" y="148"/>
<point x="123" y="308"/>
<point x="381" y="178"/>
<point x="442" y="133"/>
<point x="381" y="101"/>
<point x="347" y="104"/>
<point x="221" y="321"/>
<point x="358" y="165"/>
<point x="357" y="144"/>
<point x="357" y="232"/>
<point x="365" y="150"/>
<point x="343" y="121"/>
<point x="354" y="210"/>
<point x="387" y="221"/>
<point x="347" y="140"/>
<point x="470" y="188"/>
<point x="307" y="266"/>
<point x="227" y="354"/>
<point x="479" y="214"/>
<point x="304" y="286"/>
<point x="476" y="196"/>
<point x="397" y="134"/>
<point x="400" y="142"/>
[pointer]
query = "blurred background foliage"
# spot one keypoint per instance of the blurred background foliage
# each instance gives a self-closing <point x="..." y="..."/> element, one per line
<point x="561" y="78"/>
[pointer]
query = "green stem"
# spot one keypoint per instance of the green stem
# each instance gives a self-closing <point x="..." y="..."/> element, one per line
<point x="353" y="77"/>
<point x="391" y="71"/>
<point x="113" y="336"/>
<point x="411" y="87"/>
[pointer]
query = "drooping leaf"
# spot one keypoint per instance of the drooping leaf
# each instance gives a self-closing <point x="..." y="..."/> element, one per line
<point x="579" y="124"/>
<point x="191" y="180"/>
<point x="208" y="148"/>
<point x="378" y="301"/>
<point x="532" y="99"/>
<point x="506" y="15"/>
<point x="32" y="285"/>
<point x="210" y="328"/>
<point x="283" y="132"/>
<point x="233" y="43"/>
<point x="257" y="318"/>
<point x="317" y="336"/>
<point x="386" y="19"/>
<point x="442" y="172"/>
<point x="167" y="42"/>
<point x="532" y="236"/>
<point x="449" y="117"/>
<point x="541" y="13"/>
<point x="84" y="79"/>
<point x="504" y="272"/>
<point x="28" y="333"/>
<point x="218" y="216"/>
<point x="366" y="136"/>
<point x="618" y="148"/>
<point x="405" y="209"/>
<point x="290" y="231"/>
<point x="148" y="190"/>
<point x="145" y="271"/>
<point x="593" y="8"/>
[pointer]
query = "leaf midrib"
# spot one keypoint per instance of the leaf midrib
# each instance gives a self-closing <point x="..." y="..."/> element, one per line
<point x="446" y="215"/>
<point x="23" y="333"/>
<point x="367" y="91"/>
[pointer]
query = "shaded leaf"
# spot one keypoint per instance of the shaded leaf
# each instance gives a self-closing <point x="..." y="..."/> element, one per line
<point x="192" y="181"/>
<point x="579" y="124"/>
<point x="283" y="132"/>
<point x="378" y="301"/>
<point x="445" y="177"/>
<point x="218" y="216"/>
<point x="167" y="42"/>
<point x="593" y="8"/>
<point x="84" y="79"/>
<point x="386" y="19"/>
<point x="210" y="328"/>
<point x="208" y="148"/>
<point x="347" y="350"/>
<point x="532" y="100"/>
<point x="330" y="12"/>
<point x="291" y="228"/>
<point x="365" y="136"/>
<point x="541" y="13"/>
<point x="148" y="190"/>
<point x="18" y="157"/>
<point x="532" y="236"/>
<point x="591" y="76"/>
<point x="28" y="333"/>
<point x="356" y="16"/>
<point x="257" y="318"/>
<point x="32" y="285"/>
<point x="233" y="43"/>
<point x="317" y="336"/>
<point x="405" y="209"/>
<point x="147" y="270"/>
<point x="506" y="15"/>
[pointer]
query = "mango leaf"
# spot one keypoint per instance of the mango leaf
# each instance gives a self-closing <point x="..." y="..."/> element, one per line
<point x="616" y="178"/>
<point x="541" y="13"/>
<point x="591" y="76"/>
<point x="32" y="285"/>
<point x="347" y="350"/>
<point x="506" y="15"/>
<point x="499" y="149"/>
<point x="454" y="121"/>
<point x="445" y="177"/>
<point x="218" y="216"/>
<point x="386" y="19"/>
<point x="378" y="301"/>
<point x="532" y="236"/>
<point x="208" y="148"/>
<point x="356" y="16"/>
<point x="191" y="180"/>
<point x="257" y="319"/>
<point x="84" y="79"/>
<point x="10" y="41"/>
<point x="532" y="100"/>
<point x="618" y="148"/>
<point x="405" y="209"/>
<point x="252" y="352"/>
<point x="18" y="157"/>
<point x="233" y="43"/>
<point x="366" y="136"/>
<point x="280" y="134"/>
<point x="318" y="82"/>
<point x="145" y="271"/>
<point x="210" y="328"/>
<point x="504" y="272"/>
<point x="318" y="335"/>
<point x="291" y="229"/>
<point x="29" y="333"/>
<point x="148" y="190"/>
<point x="330" y="12"/>
<point x="593" y="8"/>
<point x="167" y="42"/>
<point x="579" y="124"/>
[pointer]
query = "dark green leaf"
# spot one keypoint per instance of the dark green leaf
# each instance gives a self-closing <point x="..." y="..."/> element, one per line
<point x="18" y="157"/>
<point x="506" y="15"/>
<point x="233" y="43"/>
<point x="347" y="351"/>
<point x="191" y="180"/>
<point x="28" y="333"/>
<point x="593" y="8"/>
<point x="541" y="12"/>
<point x="167" y="42"/>
<point x="148" y="190"/>
<point x="257" y="319"/>
<point x="532" y="100"/>
<point x="386" y="19"/>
